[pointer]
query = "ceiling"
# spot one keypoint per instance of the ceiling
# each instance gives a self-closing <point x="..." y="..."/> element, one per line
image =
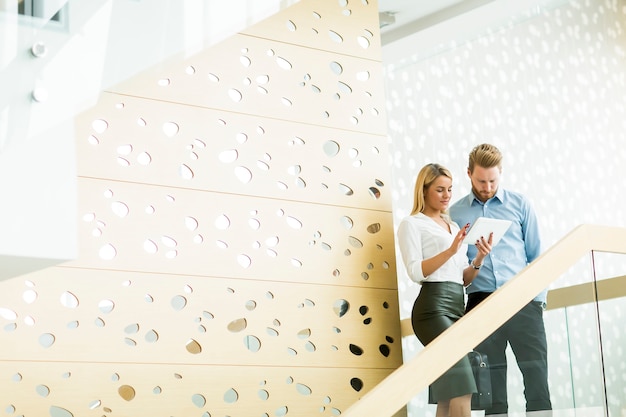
<point x="401" y="18"/>
<point x="407" y="11"/>
<point x="411" y="29"/>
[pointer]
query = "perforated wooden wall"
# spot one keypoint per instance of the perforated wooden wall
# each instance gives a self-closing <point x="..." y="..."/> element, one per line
<point x="236" y="238"/>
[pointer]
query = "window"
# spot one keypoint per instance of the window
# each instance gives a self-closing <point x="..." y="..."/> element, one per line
<point x="49" y="10"/>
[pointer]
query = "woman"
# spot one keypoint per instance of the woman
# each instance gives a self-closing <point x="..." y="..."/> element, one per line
<point x="434" y="255"/>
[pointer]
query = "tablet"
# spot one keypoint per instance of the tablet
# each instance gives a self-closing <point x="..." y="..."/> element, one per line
<point x="483" y="226"/>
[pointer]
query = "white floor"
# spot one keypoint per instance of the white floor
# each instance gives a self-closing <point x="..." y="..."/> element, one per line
<point x="578" y="412"/>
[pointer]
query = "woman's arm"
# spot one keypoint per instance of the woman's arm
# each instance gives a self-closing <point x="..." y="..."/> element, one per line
<point x="432" y="264"/>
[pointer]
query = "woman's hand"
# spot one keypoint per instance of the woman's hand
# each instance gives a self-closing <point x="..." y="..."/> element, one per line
<point x="483" y="247"/>
<point x="458" y="239"/>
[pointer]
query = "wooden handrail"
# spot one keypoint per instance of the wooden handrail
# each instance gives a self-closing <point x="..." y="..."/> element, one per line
<point x="589" y="292"/>
<point x="573" y="295"/>
<point x="449" y="347"/>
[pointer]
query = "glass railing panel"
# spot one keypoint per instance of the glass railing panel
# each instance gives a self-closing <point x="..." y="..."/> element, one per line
<point x="585" y="345"/>
<point x="575" y="365"/>
<point x="583" y="322"/>
<point x="574" y="350"/>
<point x="614" y="359"/>
<point x="610" y="285"/>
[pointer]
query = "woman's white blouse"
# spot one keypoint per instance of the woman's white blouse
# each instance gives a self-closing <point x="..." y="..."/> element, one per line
<point x="419" y="238"/>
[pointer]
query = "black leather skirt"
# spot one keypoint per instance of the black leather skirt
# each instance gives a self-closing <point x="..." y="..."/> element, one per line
<point x="437" y="307"/>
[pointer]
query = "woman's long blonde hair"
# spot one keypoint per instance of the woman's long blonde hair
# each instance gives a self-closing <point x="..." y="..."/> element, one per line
<point x="425" y="178"/>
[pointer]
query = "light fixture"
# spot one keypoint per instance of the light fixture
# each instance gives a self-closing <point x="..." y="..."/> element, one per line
<point x="386" y="18"/>
<point x="39" y="50"/>
<point x="39" y="95"/>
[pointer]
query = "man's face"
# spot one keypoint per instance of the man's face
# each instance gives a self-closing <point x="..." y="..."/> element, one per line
<point x="484" y="182"/>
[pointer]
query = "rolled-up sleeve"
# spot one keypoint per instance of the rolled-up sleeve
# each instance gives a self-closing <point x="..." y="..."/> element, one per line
<point x="410" y="244"/>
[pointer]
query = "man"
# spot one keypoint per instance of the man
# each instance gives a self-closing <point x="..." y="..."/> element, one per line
<point x="525" y="331"/>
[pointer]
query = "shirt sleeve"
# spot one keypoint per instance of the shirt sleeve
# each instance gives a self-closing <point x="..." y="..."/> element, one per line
<point x="530" y="229"/>
<point x="410" y="244"/>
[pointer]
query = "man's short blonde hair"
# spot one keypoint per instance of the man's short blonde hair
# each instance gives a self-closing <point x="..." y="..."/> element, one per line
<point x="486" y="156"/>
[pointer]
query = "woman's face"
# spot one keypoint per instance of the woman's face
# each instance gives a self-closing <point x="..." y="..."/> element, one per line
<point x="437" y="196"/>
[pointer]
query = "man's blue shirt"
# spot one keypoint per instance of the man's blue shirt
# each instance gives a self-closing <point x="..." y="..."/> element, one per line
<point x="520" y="245"/>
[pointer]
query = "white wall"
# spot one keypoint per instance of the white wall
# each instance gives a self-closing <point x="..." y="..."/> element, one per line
<point x="549" y="88"/>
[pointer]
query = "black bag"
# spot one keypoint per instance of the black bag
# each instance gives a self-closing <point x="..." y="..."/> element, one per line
<point x="480" y="367"/>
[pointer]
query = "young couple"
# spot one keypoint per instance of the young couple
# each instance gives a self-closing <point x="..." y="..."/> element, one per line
<point x="433" y="252"/>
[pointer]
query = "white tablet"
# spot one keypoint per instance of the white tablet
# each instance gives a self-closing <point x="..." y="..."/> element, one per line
<point x="485" y="225"/>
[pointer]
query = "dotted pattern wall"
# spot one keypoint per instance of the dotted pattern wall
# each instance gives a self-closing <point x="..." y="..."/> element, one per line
<point x="547" y="88"/>
<point x="236" y="237"/>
